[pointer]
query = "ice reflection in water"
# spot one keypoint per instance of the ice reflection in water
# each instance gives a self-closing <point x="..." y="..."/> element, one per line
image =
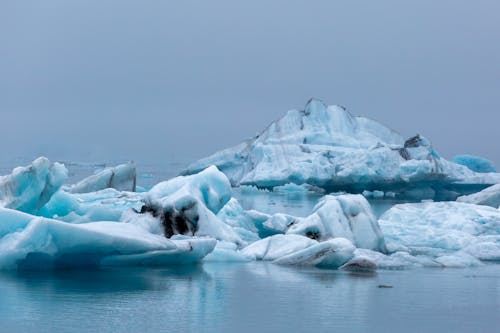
<point x="250" y="297"/>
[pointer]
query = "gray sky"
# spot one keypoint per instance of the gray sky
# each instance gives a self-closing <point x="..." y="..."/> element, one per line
<point x="178" y="80"/>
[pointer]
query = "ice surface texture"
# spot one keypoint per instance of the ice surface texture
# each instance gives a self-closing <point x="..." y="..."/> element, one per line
<point x="489" y="197"/>
<point x="475" y="163"/>
<point x="31" y="242"/>
<point x="121" y="177"/>
<point x="449" y="233"/>
<point x="327" y="147"/>
<point x="29" y="188"/>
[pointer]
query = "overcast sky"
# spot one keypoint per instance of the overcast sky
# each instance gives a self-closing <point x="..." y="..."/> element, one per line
<point x="178" y="80"/>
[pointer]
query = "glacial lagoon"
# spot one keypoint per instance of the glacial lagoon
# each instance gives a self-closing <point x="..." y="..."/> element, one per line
<point x="249" y="297"/>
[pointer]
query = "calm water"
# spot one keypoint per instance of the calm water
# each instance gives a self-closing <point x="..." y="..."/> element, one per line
<point x="253" y="297"/>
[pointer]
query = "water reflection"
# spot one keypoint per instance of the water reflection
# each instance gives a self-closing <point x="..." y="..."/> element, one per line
<point x="217" y="297"/>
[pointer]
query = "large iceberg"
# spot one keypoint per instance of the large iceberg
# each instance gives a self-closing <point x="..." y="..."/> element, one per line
<point x="326" y="146"/>
<point x="29" y="188"/>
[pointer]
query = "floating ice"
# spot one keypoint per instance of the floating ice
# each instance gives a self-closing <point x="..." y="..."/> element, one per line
<point x="438" y="229"/>
<point x="329" y="148"/>
<point x="489" y="196"/>
<point x="29" y="188"/>
<point x="29" y="242"/>
<point x="105" y="205"/>
<point x="121" y="177"/>
<point x="348" y="216"/>
<point x="274" y="247"/>
<point x="189" y="205"/>
<point x="332" y="253"/>
<point x="300" y="250"/>
<point x="475" y="163"/>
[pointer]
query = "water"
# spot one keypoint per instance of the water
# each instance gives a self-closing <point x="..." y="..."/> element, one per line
<point x="250" y="297"/>
<point x="253" y="297"/>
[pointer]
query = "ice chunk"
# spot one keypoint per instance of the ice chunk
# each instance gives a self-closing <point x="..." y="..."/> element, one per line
<point x="188" y="205"/>
<point x="326" y="146"/>
<point x="475" y="163"/>
<point x="347" y="216"/>
<point x="489" y="197"/>
<point x="458" y="260"/>
<point x="240" y="220"/>
<point x="29" y="188"/>
<point x="436" y="229"/>
<point x="27" y="241"/>
<point x="274" y="247"/>
<point x="121" y="177"/>
<point x="332" y="253"/>
<point x="105" y="205"/>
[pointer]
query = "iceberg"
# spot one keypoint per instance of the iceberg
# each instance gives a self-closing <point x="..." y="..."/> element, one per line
<point x="31" y="242"/>
<point x="450" y="229"/>
<point x="301" y="251"/>
<point x="121" y="177"/>
<point x="29" y="188"/>
<point x="188" y="205"/>
<point x="489" y="196"/>
<point x="475" y="163"/>
<point x="327" y="147"/>
<point x="342" y="216"/>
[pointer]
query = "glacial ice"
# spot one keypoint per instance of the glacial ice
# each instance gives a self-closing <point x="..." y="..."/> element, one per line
<point x="29" y="188"/>
<point x="489" y="196"/>
<point x="189" y="205"/>
<point x="437" y="229"/>
<point x="475" y="163"/>
<point x="326" y="146"/>
<point x="121" y="177"/>
<point x="300" y="250"/>
<point x="188" y="218"/>
<point x="348" y="216"/>
<point x="31" y="242"/>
